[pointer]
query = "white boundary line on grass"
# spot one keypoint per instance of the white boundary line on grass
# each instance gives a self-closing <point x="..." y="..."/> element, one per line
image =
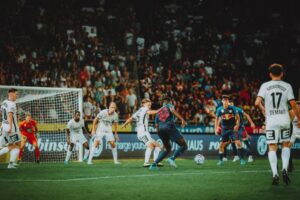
<point x="134" y="176"/>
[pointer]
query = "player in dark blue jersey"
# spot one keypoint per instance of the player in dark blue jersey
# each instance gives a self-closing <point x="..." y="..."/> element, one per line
<point x="242" y="134"/>
<point x="229" y="119"/>
<point x="167" y="131"/>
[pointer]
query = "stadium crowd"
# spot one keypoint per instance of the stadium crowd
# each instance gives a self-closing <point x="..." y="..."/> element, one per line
<point x="131" y="50"/>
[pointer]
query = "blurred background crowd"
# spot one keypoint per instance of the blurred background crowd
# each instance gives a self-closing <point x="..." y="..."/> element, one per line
<point x="126" y="50"/>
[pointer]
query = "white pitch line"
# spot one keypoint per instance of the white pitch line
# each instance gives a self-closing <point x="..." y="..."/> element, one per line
<point x="133" y="176"/>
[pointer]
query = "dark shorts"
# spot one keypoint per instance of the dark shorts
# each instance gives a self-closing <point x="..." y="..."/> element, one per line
<point x="241" y="134"/>
<point x="228" y="134"/>
<point x="172" y="134"/>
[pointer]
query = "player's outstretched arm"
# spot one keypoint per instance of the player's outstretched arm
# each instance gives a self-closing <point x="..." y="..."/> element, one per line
<point x="127" y="122"/>
<point x="258" y="103"/>
<point x="217" y="123"/>
<point x="237" y="122"/>
<point x="183" y="122"/>
<point x="152" y="112"/>
<point x="116" y="131"/>
<point x="68" y="136"/>
<point x="295" y="110"/>
<point x="95" y="122"/>
<point x="249" y="120"/>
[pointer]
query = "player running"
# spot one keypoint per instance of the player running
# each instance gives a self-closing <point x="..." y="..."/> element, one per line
<point x="230" y="121"/>
<point x="167" y="132"/>
<point x="75" y="129"/>
<point x="295" y="135"/>
<point x="29" y="129"/>
<point x="141" y="117"/>
<point x="276" y="94"/>
<point x="9" y="133"/>
<point x="106" y="118"/>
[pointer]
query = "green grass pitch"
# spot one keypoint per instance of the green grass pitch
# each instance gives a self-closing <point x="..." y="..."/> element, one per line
<point x="104" y="180"/>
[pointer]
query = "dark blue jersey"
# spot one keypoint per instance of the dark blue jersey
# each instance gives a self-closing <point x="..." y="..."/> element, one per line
<point x="241" y="114"/>
<point x="227" y="116"/>
<point x="165" y="118"/>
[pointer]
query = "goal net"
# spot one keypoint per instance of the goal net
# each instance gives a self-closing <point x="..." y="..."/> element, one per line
<point x="52" y="108"/>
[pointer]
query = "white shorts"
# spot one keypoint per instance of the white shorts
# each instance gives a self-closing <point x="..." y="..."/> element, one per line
<point x="295" y="135"/>
<point x="144" y="136"/>
<point x="11" y="138"/>
<point x="74" y="138"/>
<point x="278" y="133"/>
<point x="107" y="134"/>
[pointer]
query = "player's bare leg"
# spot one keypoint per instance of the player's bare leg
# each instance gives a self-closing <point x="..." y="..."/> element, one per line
<point x="23" y="142"/>
<point x="273" y="162"/>
<point x="93" y="148"/>
<point x="285" y="156"/>
<point x="166" y="150"/>
<point x="114" y="151"/>
<point x="86" y="151"/>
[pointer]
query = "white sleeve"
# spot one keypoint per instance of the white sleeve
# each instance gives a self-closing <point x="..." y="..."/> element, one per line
<point x="11" y="108"/>
<point x="69" y="125"/>
<point x="262" y="91"/>
<point x="290" y="93"/>
<point x="82" y="123"/>
<point x="116" y="120"/>
<point x="101" y="114"/>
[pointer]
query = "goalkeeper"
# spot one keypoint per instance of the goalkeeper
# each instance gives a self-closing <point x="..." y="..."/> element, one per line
<point x="28" y="129"/>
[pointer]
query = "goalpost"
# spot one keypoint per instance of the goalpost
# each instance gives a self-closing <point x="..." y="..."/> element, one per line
<point x="52" y="108"/>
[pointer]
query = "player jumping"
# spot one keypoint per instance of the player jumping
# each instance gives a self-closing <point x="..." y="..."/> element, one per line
<point x="230" y="121"/>
<point x="75" y="129"/>
<point x="276" y="94"/>
<point x="106" y="118"/>
<point x="141" y="117"/>
<point x="9" y="133"/>
<point x="28" y="129"/>
<point x="167" y="132"/>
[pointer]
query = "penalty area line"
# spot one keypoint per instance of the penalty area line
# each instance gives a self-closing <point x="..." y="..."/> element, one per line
<point x="134" y="176"/>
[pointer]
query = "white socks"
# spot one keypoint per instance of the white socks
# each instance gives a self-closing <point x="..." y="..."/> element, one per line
<point x="68" y="156"/>
<point x="115" y="154"/>
<point x="156" y="153"/>
<point x="148" y="154"/>
<point x="285" y="156"/>
<point x="91" y="154"/>
<point x="14" y="154"/>
<point x="86" y="153"/>
<point x="273" y="162"/>
<point x="4" y="151"/>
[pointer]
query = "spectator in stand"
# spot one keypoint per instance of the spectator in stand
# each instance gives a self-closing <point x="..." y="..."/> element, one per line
<point x="131" y="101"/>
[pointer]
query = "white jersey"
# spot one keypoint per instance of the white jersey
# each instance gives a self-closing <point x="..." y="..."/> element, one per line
<point x="107" y="120"/>
<point x="296" y="130"/>
<point x="276" y="95"/>
<point x="9" y="107"/>
<point x="141" y="118"/>
<point x="75" y="127"/>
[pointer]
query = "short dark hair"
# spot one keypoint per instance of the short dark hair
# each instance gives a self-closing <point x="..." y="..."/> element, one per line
<point x="12" y="90"/>
<point x="166" y="98"/>
<point x="276" y="69"/>
<point x="226" y="96"/>
<point x="77" y="112"/>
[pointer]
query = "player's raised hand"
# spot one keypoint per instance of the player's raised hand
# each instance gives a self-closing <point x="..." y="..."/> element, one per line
<point x="123" y="125"/>
<point x="236" y="128"/>
<point x="117" y="137"/>
<point x="252" y="125"/>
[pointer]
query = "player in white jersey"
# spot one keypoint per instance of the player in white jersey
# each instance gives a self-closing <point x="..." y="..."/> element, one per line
<point x="9" y="135"/>
<point x="75" y="129"/>
<point x="295" y="134"/>
<point x="272" y="99"/>
<point x="106" y="118"/>
<point x="141" y="117"/>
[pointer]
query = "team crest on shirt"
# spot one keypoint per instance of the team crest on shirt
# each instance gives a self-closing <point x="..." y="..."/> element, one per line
<point x="222" y="111"/>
